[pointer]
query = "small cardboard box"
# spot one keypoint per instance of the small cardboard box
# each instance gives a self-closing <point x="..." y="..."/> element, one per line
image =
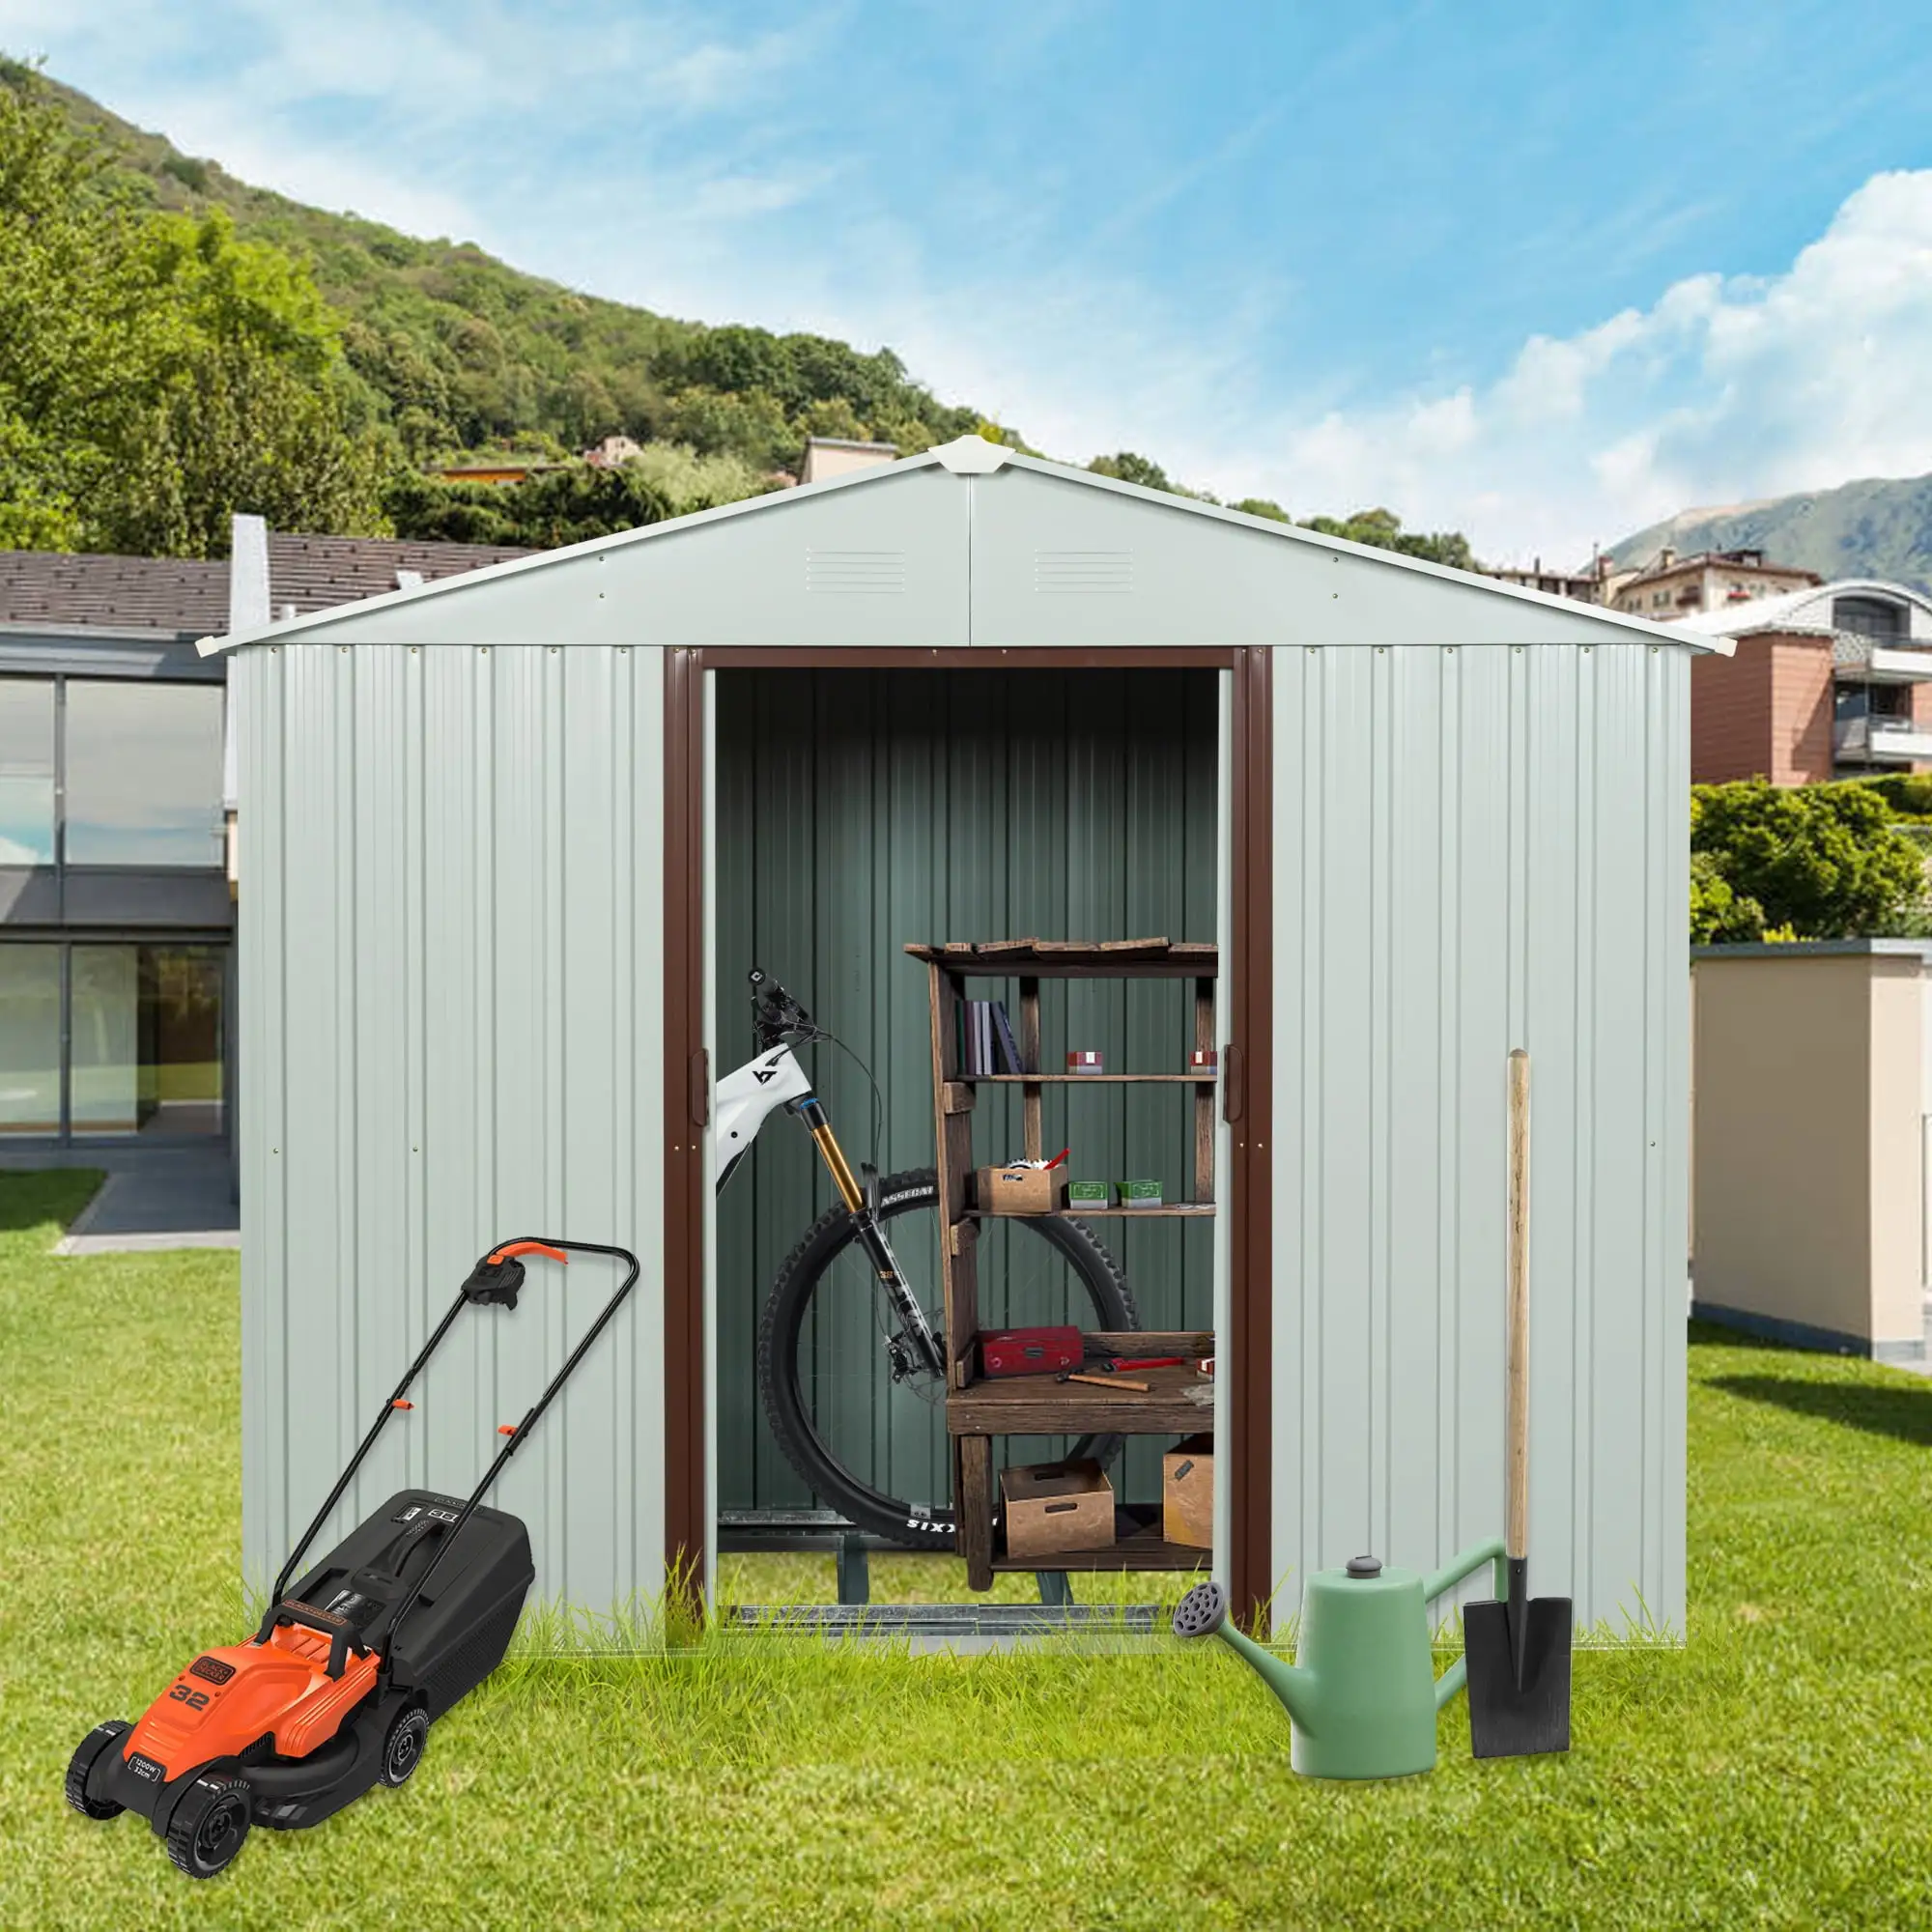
<point x="1140" y="1194"/>
<point x="1055" y="1506"/>
<point x="1089" y="1193"/>
<point x="1022" y="1190"/>
<point x="1188" y="1494"/>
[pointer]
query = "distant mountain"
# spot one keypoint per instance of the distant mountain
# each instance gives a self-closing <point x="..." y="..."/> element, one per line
<point x="1877" y="528"/>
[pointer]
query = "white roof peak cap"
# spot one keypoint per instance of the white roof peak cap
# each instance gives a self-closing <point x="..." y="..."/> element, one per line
<point x="971" y="455"/>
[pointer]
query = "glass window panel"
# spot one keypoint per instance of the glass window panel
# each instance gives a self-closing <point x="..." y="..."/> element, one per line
<point x="26" y="770"/>
<point x="145" y="1053"/>
<point x="143" y="774"/>
<point x="29" y="1039"/>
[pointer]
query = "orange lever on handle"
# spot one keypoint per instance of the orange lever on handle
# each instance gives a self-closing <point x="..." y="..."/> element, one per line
<point x="528" y="1248"/>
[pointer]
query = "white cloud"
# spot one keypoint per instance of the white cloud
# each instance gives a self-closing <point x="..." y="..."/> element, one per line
<point x="1724" y="389"/>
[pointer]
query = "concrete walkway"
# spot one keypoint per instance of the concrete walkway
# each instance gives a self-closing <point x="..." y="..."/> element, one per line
<point x="153" y="1197"/>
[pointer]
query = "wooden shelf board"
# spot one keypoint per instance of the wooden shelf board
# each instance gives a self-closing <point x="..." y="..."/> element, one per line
<point x="1145" y="1550"/>
<point x="1040" y="1406"/>
<point x="1064" y="959"/>
<point x="1089" y="1079"/>
<point x="1087" y="1214"/>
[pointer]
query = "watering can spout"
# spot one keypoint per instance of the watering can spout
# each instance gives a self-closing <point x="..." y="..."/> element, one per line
<point x="1204" y="1612"/>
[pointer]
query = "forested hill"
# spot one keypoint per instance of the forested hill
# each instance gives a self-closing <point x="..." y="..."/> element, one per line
<point x="176" y="344"/>
<point x="1875" y="528"/>
<point x="466" y="353"/>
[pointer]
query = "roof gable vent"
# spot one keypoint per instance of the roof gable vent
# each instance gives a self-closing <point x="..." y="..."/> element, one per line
<point x="855" y="573"/>
<point x="1084" y="573"/>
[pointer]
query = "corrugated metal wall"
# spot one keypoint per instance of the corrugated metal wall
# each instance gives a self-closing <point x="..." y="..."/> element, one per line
<point x="451" y="994"/>
<point x="859" y="810"/>
<point x="1475" y="849"/>
<point x="450" y="924"/>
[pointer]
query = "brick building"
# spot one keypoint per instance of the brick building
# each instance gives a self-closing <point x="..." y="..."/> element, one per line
<point x="1834" y="680"/>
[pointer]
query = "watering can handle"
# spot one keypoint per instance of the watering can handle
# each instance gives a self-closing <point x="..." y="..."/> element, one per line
<point x="1465" y="1564"/>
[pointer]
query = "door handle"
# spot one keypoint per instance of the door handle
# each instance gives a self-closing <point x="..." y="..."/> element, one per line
<point x="700" y="1088"/>
<point x="1234" y="1085"/>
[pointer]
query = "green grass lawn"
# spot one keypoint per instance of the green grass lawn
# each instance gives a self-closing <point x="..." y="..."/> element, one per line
<point x="1777" y="1772"/>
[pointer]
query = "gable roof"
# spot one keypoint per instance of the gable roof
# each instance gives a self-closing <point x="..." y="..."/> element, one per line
<point x="1806" y="610"/>
<point x="970" y="544"/>
<point x="188" y="597"/>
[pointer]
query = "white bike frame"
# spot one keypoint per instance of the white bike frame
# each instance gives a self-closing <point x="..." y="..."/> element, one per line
<point x="748" y="1097"/>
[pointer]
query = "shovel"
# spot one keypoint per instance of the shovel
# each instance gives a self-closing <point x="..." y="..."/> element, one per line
<point x="1518" y="1651"/>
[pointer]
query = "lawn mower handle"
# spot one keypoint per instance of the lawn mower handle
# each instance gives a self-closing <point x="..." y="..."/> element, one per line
<point x="337" y="1630"/>
<point x="523" y="1244"/>
<point x="502" y="1254"/>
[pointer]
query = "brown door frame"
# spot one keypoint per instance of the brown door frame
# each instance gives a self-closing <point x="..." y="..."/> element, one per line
<point x="1247" y="1085"/>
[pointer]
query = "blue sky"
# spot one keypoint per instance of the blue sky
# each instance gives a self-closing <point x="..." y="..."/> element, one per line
<point x="1544" y="272"/>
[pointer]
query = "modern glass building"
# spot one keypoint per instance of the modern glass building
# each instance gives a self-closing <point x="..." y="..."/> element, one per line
<point x="117" y="900"/>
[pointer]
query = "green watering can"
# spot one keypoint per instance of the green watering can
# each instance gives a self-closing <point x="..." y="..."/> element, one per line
<point x="1362" y="1693"/>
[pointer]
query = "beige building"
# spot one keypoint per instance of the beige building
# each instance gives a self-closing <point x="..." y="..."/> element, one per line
<point x="1812" y="1091"/>
<point x="831" y="456"/>
<point x="1670" y="585"/>
<point x="1586" y="585"/>
<point x="612" y="452"/>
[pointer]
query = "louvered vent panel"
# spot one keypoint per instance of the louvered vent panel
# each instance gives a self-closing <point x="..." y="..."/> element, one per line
<point x="855" y="573"/>
<point x="1084" y="573"/>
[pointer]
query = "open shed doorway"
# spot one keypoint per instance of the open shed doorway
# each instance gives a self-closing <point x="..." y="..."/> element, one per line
<point x="856" y="811"/>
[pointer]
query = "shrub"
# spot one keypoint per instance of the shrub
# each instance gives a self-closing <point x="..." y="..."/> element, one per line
<point x="1828" y="861"/>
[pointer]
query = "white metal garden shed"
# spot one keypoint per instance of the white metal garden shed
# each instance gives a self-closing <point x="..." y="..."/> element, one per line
<point x="478" y="865"/>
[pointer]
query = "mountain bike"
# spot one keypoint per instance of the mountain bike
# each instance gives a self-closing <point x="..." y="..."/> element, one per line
<point x="851" y="1347"/>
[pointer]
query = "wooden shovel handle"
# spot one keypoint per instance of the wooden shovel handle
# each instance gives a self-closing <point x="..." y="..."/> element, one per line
<point x="1516" y="1530"/>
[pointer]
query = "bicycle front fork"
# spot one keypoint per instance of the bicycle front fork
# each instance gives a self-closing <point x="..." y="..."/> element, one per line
<point x="915" y="1349"/>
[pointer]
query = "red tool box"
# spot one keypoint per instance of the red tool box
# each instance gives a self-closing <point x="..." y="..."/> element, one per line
<point x="1030" y="1352"/>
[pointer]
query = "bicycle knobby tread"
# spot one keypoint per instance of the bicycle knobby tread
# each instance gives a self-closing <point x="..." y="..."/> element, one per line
<point x="815" y="1467"/>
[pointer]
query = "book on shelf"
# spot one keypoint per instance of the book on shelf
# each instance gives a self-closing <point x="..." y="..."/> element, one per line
<point x="975" y="1038"/>
<point x="987" y="1043"/>
<point x="1002" y="1027"/>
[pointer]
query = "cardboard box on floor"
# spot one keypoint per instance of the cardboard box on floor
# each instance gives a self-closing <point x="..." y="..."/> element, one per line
<point x="1188" y="1494"/>
<point x="1055" y="1506"/>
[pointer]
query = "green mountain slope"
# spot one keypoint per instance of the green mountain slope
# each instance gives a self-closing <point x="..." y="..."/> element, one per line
<point x="460" y="352"/>
<point x="1876" y="527"/>
<point x="445" y="351"/>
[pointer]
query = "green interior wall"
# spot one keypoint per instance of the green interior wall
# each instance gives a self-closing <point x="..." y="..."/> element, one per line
<point x="858" y="810"/>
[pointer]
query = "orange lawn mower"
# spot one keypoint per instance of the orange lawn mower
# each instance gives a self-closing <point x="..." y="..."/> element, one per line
<point x="337" y="1689"/>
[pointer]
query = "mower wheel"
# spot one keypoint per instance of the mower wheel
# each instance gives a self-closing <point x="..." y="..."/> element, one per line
<point x="87" y="1754"/>
<point x="209" y="1824"/>
<point x="403" y="1749"/>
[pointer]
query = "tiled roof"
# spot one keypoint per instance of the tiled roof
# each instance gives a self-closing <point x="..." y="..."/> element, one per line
<point x="184" y="597"/>
<point x="318" y="573"/>
<point x="166" y="594"/>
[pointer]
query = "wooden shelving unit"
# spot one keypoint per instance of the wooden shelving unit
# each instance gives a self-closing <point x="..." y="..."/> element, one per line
<point x="978" y="1410"/>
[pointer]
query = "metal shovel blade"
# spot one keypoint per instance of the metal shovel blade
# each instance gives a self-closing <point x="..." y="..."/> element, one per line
<point x="1518" y="1699"/>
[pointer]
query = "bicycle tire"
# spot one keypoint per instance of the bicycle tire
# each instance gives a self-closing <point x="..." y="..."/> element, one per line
<point x="918" y="1527"/>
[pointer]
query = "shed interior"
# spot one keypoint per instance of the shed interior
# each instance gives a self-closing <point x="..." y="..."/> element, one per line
<point x="858" y="810"/>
